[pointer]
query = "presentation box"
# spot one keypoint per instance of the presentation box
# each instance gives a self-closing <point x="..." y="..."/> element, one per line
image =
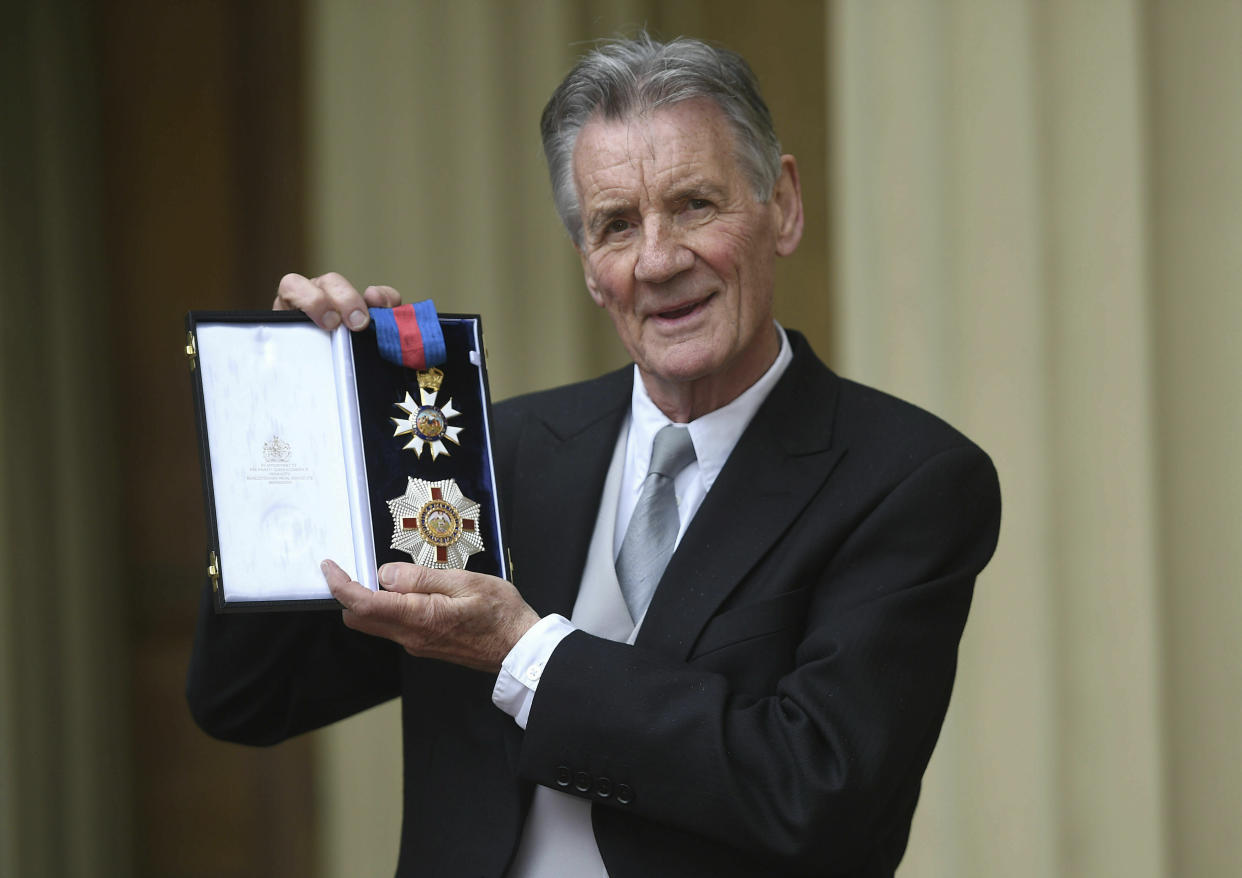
<point x="313" y="446"/>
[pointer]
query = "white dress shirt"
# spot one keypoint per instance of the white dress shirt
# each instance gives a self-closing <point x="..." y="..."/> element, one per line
<point x="714" y="435"/>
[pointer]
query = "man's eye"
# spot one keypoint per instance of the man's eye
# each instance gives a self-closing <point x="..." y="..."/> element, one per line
<point x="617" y="226"/>
<point x="698" y="204"/>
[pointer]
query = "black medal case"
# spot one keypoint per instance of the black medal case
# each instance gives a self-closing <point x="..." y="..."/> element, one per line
<point x="298" y="454"/>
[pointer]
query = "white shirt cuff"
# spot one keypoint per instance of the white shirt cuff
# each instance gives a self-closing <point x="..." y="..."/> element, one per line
<point x="523" y="666"/>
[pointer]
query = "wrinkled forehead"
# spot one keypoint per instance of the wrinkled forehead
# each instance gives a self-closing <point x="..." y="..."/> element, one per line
<point x="688" y="138"/>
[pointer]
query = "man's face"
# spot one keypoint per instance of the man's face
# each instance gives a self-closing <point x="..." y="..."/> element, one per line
<point x="677" y="249"/>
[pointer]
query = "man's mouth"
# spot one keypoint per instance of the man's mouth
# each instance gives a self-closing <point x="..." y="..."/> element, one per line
<point x="683" y="310"/>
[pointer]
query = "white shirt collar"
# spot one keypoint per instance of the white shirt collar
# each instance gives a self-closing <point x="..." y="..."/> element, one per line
<point x="715" y="433"/>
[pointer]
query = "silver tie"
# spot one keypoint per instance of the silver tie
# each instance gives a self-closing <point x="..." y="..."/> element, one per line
<point x="649" y="540"/>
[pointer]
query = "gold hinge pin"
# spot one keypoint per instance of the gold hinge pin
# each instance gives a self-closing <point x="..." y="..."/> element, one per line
<point x="213" y="571"/>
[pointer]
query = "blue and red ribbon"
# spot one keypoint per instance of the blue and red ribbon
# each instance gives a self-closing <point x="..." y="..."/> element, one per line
<point x="410" y="335"/>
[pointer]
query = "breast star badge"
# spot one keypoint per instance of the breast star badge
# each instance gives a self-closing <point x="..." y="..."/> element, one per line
<point x="435" y="524"/>
<point x="427" y="423"/>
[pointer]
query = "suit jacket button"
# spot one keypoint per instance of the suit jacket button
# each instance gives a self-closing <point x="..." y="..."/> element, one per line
<point x="625" y="795"/>
<point x="603" y="787"/>
<point x="582" y="781"/>
<point x="562" y="775"/>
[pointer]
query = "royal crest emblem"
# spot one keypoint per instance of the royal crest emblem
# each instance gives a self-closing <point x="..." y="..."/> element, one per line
<point x="435" y="524"/>
<point x="276" y="450"/>
<point x="426" y="422"/>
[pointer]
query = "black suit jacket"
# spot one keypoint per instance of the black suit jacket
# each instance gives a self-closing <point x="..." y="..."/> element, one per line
<point x="785" y="692"/>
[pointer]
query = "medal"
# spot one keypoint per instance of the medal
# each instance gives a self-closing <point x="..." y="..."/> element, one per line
<point x="427" y="423"/>
<point x="435" y="524"/>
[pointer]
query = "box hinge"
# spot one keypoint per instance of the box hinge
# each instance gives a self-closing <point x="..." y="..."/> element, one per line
<point x="191" y="350"/>
<point x="213" y="571"/>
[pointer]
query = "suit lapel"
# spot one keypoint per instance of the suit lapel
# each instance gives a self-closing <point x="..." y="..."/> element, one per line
<point x="562" y="459"/>
<point x="554" y="489"/>
<point x="781" y="461"/>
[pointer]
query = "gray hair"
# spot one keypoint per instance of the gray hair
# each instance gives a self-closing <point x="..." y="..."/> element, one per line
<point x="621" y="78"/>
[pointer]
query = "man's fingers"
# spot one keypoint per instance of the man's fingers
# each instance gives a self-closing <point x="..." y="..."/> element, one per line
<point x="293" y="292"/>
<point x="379" y="613"/>
<point x="343" y="303"/>
<point x="296" y="292"/>
<point x="409" y="578"/>
<point x="453" y="615"/>
<point x="328" y="300"/>
<point x="381" y="296"/>
<point x="344" y="589"/>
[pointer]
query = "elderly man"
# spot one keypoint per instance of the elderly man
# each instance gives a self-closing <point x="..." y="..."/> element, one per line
<point x="740" y="579"/>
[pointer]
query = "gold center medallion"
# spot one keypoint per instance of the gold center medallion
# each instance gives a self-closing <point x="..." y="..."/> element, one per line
<point x="435" y="524"/>
<point x="426" y="422"/>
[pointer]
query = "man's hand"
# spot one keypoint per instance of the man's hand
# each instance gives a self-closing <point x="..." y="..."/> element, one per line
<point x="453" y="615"/>
<point x="329" y="298"/>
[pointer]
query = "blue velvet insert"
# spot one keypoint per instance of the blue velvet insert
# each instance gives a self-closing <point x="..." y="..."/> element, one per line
<point x="381" y="385"/>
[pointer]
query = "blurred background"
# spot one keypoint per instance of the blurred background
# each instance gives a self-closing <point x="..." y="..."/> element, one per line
<point x="1025" y="215"/>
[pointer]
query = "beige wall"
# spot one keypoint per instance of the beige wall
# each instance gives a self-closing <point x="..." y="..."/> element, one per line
<point x="1035" y="231"/>
<point x="1194" y="89"/>
<point x="1040" y="238"/>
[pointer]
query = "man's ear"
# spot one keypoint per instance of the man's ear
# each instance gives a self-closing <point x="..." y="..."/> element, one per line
<point x="787" y="203"/>
<point x="590" y="278"/>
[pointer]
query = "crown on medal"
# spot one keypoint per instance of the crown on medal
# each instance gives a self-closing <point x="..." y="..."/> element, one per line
<point x="431" y="379"/>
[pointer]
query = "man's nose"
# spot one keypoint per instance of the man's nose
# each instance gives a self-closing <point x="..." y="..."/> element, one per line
<point x="663" y="255"/>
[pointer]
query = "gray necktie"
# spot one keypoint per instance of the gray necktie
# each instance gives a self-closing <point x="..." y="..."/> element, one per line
<point x="649" y="540"/>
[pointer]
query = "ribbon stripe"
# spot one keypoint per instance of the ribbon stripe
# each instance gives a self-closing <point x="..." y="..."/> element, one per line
<point x="433" y="338"/>
<point x="410" y="335"/>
